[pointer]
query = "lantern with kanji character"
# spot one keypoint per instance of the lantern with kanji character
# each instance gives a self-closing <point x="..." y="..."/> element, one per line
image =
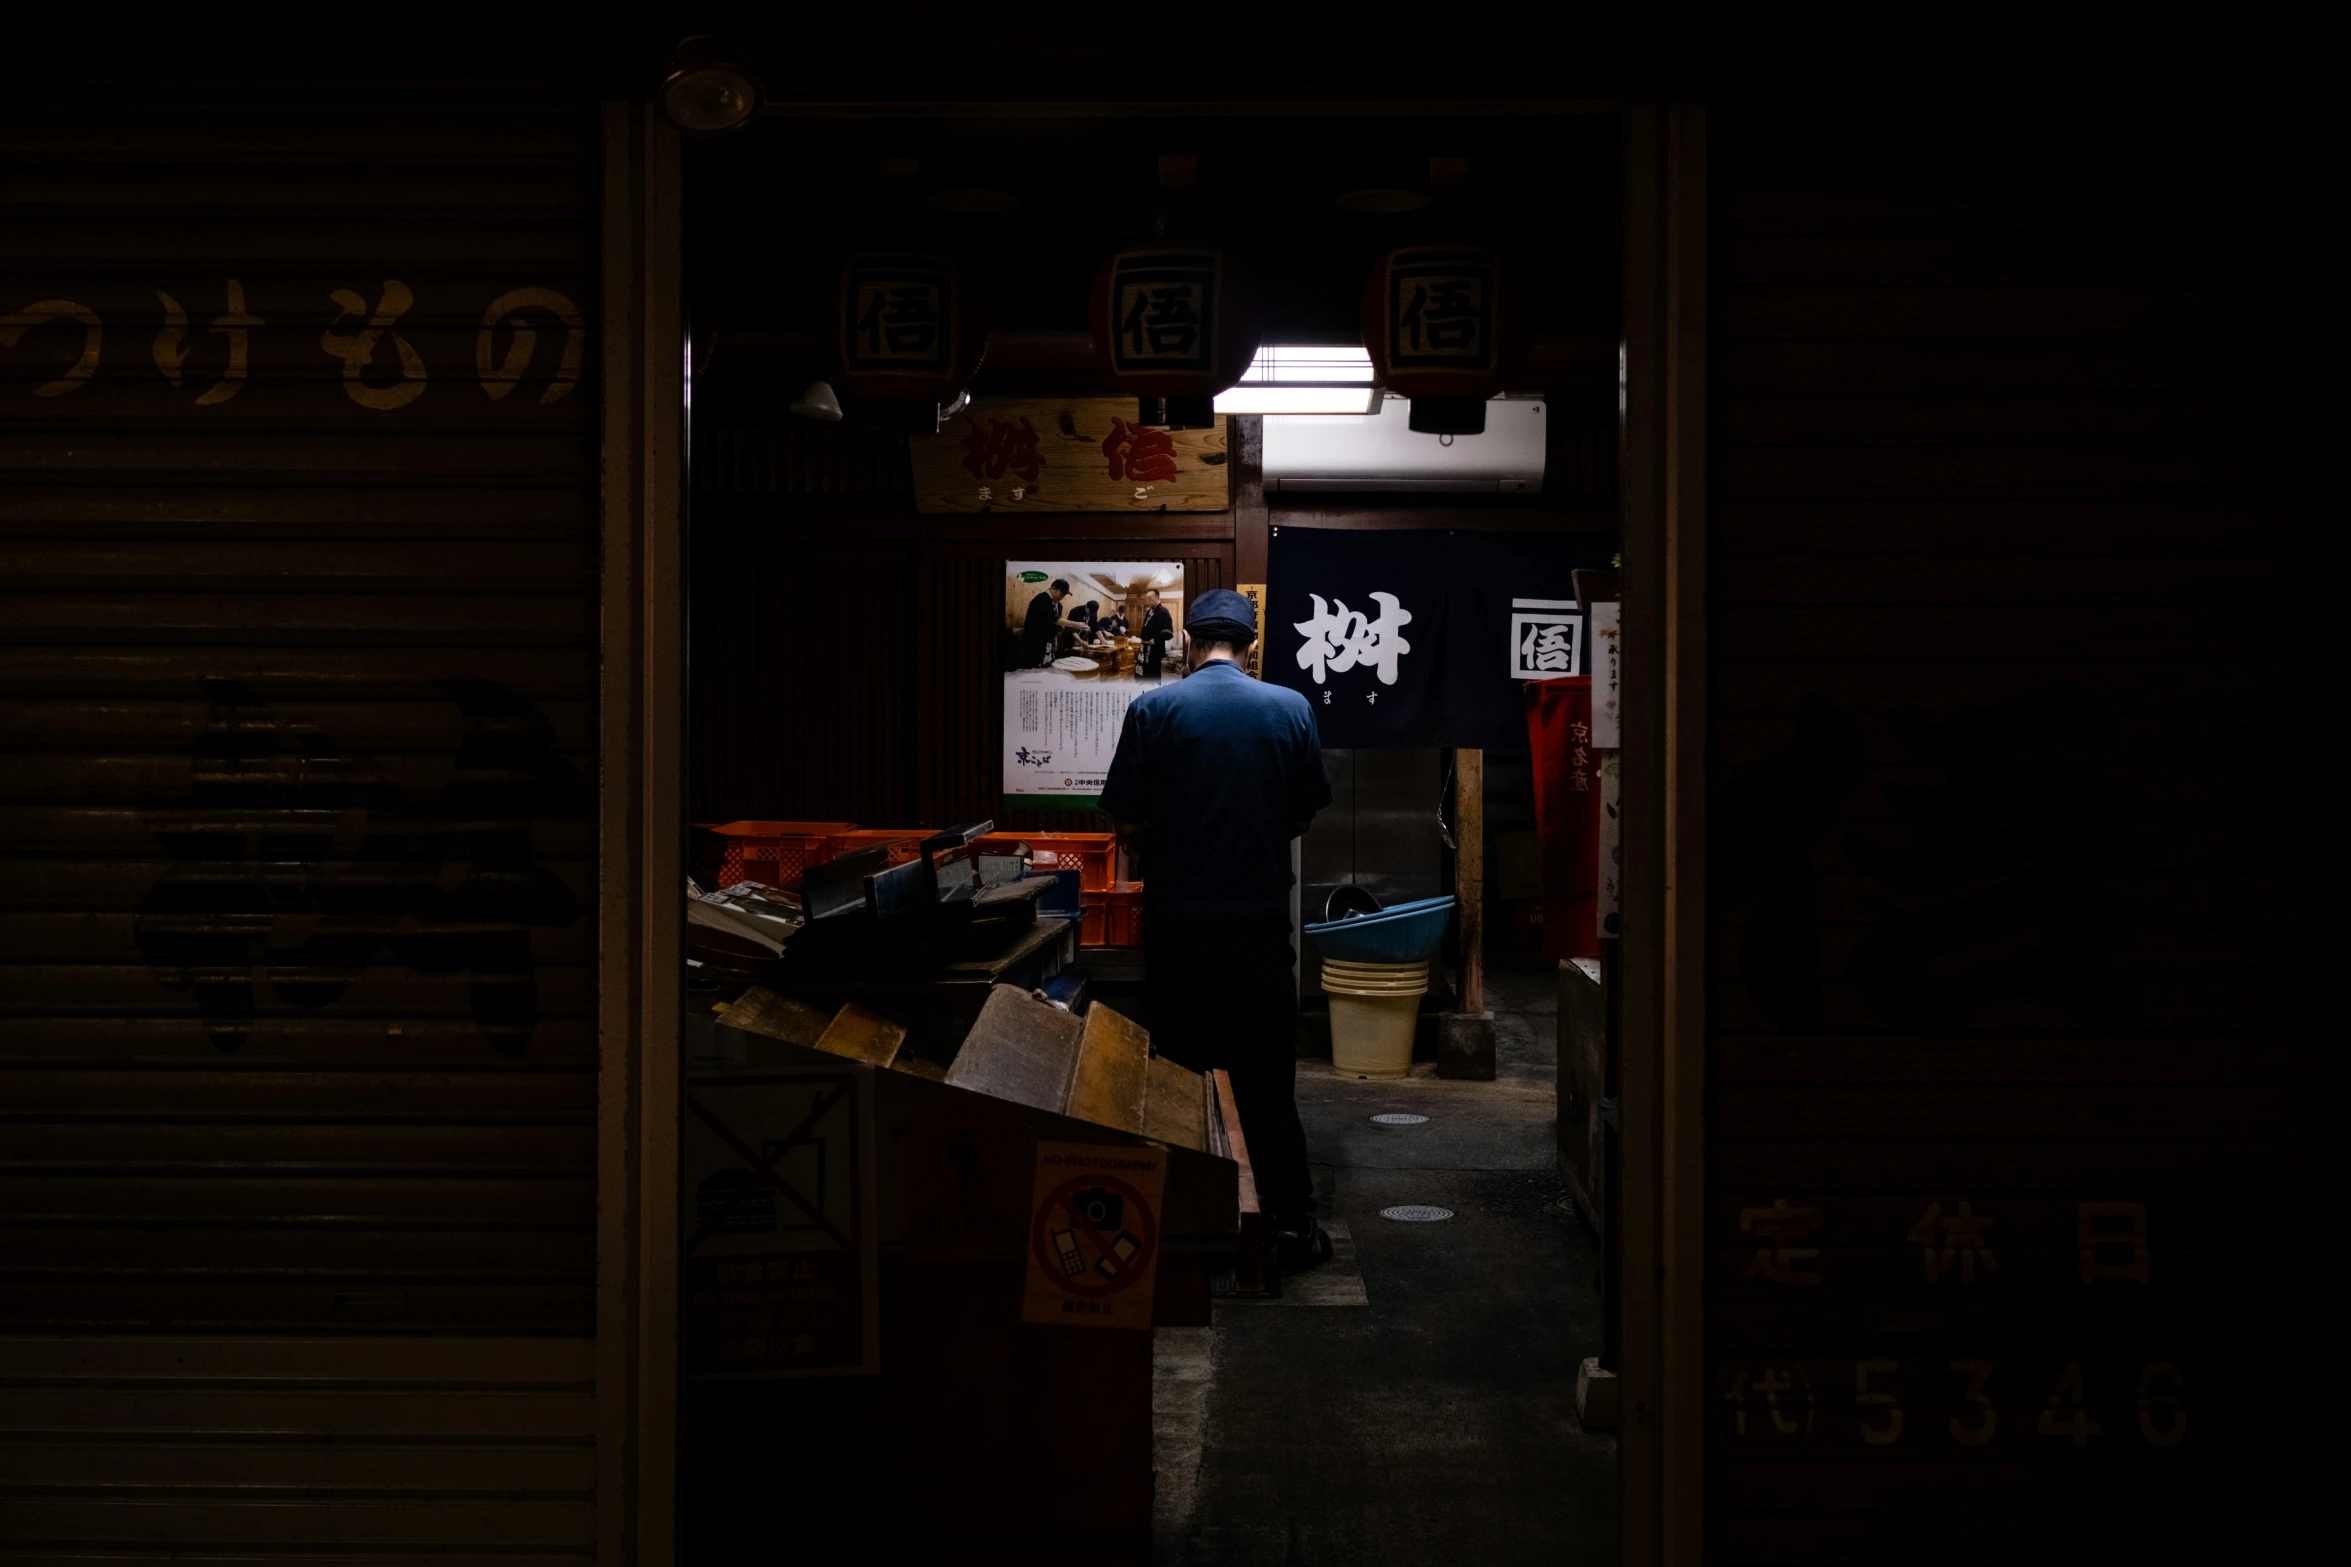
<point x="1173" y="326"/>
<point x="905" y="337"/>
<point x="1445" y="329"/>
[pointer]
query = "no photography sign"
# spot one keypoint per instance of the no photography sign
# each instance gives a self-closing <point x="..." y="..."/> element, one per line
<point x="1094" y="1235"/>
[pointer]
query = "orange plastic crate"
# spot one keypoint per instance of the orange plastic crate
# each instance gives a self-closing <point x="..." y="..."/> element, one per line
<point x="905" y="843"/>
<point x="771" y="852"/>
<point x="1116" y="920"/>
<point x="1092" y="854"/>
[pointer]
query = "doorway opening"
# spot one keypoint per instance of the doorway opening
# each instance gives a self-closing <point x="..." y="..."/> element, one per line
<point x="865" y="561"/>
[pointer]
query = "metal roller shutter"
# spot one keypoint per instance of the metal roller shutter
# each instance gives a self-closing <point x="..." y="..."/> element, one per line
<point x="2022" y="1063"/>
<point x="298" y="670"/>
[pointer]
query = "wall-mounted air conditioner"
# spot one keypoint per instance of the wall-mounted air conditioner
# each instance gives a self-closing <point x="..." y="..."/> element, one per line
<point x="1381" y="451"/>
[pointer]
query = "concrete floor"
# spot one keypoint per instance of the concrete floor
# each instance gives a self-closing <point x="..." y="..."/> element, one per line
<point x="1414" y="1403"/>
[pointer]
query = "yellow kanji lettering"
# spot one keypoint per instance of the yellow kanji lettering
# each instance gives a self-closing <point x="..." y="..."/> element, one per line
<point x="14" y="326"/>
<point x="507" y="311"/>
<point x="357" y="349"/>
<point x="236" y="325"/>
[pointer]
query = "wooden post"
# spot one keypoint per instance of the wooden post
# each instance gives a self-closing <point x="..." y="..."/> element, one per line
<point x="1465" y="1038"/>
<point x="642" y="842"/>
<point x="1252" y="523"/>
<point x="1469" y="874"/>
<point x="1658" y="1217"/>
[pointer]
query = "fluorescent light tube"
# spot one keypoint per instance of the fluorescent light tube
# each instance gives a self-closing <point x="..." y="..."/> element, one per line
<point x="1304" y="379"/>
<point x="1291" y="365"/>
<point x="1262" y="399"/>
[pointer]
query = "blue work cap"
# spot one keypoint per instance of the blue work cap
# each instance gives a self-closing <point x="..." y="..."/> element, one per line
<point x="1221" y="615"/>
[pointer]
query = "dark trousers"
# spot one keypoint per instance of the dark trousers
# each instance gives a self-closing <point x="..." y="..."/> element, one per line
<point x="1223" y="995"/>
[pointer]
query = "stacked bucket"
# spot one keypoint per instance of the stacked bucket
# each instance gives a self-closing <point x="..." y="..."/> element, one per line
<point x="1375" y="969"/>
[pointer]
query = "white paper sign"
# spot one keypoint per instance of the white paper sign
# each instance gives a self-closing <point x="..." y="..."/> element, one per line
<point x="1607" y="675"/>
<point x="1060" y="732"/>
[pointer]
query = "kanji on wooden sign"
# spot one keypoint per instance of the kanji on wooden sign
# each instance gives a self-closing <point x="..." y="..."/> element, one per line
<point x="1067" y="454"/>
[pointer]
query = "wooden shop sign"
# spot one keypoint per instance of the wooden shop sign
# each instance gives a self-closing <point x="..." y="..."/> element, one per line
<point x="1067" y="454"/>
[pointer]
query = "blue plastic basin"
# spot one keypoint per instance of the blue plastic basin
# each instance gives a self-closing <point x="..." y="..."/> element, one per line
<point x="1406" y="933"/>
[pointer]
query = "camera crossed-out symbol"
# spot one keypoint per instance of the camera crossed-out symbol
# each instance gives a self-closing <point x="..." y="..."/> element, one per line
<point x="1088" y="1233"/>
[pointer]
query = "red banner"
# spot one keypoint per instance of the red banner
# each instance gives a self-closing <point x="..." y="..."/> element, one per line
<point x="1567" y="813"/>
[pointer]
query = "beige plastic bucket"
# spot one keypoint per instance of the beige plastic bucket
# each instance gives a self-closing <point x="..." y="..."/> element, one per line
<point x="1374" y="1007"/>
<point x="1380" y="977"/>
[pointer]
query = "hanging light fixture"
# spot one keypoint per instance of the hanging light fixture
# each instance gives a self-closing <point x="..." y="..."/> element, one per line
<point x="818" y="402"/>
<point x="708" y="88"/>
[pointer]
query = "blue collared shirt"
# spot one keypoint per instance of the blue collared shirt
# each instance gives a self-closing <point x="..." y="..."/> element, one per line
<point x="1217" y="768"/>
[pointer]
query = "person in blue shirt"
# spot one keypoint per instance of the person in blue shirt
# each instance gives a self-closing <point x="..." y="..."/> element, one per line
<point x="1214" y="775"/>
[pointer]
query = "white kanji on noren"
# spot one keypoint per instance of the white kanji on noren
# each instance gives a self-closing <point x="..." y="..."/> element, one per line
<point x="1339" y="638"/>
<point x="1545" y="641"/>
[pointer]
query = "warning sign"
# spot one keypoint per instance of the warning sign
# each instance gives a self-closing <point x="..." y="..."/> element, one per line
<point x="1094" y="1235"/>
<point x="779" y="1232"/>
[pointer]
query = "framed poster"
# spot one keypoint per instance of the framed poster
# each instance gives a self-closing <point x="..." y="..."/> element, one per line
<point x="1082" y="640"/>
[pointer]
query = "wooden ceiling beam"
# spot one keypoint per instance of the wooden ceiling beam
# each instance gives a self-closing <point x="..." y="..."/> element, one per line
<point x="1067" y="357"/>
<point x="1189" y="109"/>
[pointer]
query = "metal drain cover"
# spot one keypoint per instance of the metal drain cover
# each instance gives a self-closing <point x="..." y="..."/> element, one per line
<point x="1416" y="1213"/>
<point x="1398" y="1118"/>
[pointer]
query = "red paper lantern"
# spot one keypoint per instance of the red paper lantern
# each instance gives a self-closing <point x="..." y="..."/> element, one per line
<point x="1445" y="329"/>
<point x="1173" y="326"/>
<point x="906" y="335"/>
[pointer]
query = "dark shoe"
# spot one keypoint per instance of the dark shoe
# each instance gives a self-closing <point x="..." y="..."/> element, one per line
<point x="1301" y="1245"/>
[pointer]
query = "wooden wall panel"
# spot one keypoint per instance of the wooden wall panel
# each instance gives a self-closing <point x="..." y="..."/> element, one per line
<point x="803" y="657"/>
<point x="800" y="458"/>
<point x="838" y="681"/>
<point x="959" y="685"/>
<point x="2023" y="1056"/>
<point x="298" y="657"/>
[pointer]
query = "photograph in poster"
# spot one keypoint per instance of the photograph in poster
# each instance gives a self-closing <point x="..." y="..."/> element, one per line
<point x="1082" y="640"/>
